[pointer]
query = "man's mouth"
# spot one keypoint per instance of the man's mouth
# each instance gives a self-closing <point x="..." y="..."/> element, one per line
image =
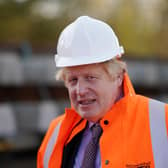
<point x="86" y="102"/>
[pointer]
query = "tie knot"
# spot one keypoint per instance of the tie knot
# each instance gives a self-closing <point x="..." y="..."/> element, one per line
<point x="96" y="131"/>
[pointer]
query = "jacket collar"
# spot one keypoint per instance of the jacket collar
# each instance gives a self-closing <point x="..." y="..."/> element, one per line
<point x="122" y="105"/>
<point x="127" y="86"/>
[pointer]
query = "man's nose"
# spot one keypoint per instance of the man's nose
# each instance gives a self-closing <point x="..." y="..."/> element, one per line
<point x="81" y="88"/>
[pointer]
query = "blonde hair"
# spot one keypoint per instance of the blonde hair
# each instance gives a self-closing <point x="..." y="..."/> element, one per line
<point x="113" y="68"/>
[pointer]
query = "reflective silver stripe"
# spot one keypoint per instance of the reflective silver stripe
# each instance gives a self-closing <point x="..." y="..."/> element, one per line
<point x="50" y="145"/>
<point x="158" y="133"/>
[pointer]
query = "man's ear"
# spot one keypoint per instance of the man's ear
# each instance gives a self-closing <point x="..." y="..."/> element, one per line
<point x="120" y="79"/>
<point x="65" y="83"/>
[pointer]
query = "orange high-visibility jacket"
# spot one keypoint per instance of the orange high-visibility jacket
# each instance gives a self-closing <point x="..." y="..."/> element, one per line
<point x="135" y="134"/>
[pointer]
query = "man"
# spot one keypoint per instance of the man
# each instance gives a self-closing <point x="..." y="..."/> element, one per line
<point x="108" y="125"/>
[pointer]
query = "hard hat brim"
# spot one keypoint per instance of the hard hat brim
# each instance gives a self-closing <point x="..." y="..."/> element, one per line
<point x="84" y="60"/>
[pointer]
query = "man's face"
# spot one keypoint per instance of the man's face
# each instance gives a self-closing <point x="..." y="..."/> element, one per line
<point x="92" y="92"/>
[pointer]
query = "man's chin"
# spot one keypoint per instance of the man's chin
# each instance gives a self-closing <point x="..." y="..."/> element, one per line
<point x="88" y="115"/>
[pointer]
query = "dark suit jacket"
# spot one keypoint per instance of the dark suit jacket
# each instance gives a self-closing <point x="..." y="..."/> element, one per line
<point x="70" y="151"/>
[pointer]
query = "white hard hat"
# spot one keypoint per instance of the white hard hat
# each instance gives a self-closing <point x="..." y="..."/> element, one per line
<point x="87" y="41"/>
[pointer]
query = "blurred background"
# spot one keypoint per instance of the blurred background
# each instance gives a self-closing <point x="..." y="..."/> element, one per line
<point x="29" y="95"/>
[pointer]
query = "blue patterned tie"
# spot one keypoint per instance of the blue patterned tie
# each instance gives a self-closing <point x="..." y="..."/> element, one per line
<point x="91" y="149"/>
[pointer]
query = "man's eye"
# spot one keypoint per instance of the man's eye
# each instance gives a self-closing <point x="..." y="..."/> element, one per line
<point x="91" y="78"/>
<point x="73" y="80"/>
